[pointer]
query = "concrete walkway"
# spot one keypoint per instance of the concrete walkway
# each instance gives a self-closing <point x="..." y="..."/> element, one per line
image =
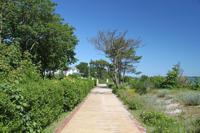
<point x="101" y="112"/>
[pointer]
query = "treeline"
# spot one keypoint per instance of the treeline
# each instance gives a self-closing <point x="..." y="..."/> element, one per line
<point x="98" y="69"/>
<point x="174" y="79"/>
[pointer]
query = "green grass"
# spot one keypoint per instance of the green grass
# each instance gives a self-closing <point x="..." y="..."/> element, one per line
<point x="162" y="93"/>
<point x="52" y="127"/>
<point x="190" y="98"/>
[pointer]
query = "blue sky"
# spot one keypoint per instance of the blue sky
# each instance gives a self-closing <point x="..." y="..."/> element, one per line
<point x="169" y="30"/>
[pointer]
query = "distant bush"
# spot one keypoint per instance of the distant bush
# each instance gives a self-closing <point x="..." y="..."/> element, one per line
<point x="74" y="75"/>
<point x="175" y="79"/>
<point x="196" y="84"/>
<point x="157" y="81"/>
<point x="143" y="85"/>
<point x="132" y="82"/>
<point x="190" y="98"/>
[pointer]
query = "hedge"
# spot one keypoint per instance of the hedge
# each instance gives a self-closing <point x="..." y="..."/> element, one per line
<point x="32" y="106"/>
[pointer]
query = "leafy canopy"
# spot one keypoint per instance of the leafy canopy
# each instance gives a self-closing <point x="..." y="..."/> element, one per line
<point x="40" y="31"/>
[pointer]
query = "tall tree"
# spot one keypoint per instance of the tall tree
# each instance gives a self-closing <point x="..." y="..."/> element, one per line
<point x="173" y="77"/>
<point x="83" y="68"/>
<point x="1" y="19"/>
<point x="40" y="31"/>
<point x="99" y="69"/>
<point x="121" y="52"/>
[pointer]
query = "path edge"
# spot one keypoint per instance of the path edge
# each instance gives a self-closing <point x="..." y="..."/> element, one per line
<point x="135" y="121"/>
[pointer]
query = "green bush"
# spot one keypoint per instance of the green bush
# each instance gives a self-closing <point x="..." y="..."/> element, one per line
<point x="162" y="93"/>
<point x="144" y="85"/>
<point x="195" y="85"/>
<point x="130" y="98"/>
<point x="110" y="85"/>
<point x="45" y="103"/>
<point x="196" y="125"/>
<point x="75" y="90"/>
<point x="154" y="118"/>
<point x="190" y="98"/>
<point x="10" y="109"/>
<point x="31" y="106"/>
<point x="161" y="122"/>
<point x="175" y="79"/>
<point x="134" y="103"/>
<point x="157" y="81"/>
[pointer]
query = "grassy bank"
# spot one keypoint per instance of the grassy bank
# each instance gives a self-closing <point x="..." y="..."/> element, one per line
<point x="164" y="111"/>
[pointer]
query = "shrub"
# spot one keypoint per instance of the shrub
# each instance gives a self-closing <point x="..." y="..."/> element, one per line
<point x="110" y="85"/>
<point x="196" y="125"/>
<point x="10" y="56"/>
<point x="75" y="90"/>
<point x="161" y="122"/>
<point x="45" y="103"/>
<point x="154" y="118"/>
<point x="157" y="81"/>
<point x="134" y="103"/>
<point x="31" y="106"/>
<point x="196" y="84"/>
<point x="175" y="79"/>
<point x="190" y="98"/>
<point x="143" y="86"/>
<point x="130" y="98"/>
<point x="162" y="93"/>
<point x="12" y="107"/>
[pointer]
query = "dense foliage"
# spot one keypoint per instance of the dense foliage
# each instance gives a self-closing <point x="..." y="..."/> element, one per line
<point x="171" y="80"/>
<point x="83" y="69"/>
<point x="38" y="30"/>
<point x="28" y="103"/>
<point x="99" y="69"/>
<point x="31" y="106"/>
<point x="161" y="122"/>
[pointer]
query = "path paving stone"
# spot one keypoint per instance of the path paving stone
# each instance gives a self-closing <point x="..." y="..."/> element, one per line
<point x="101" y="112"/>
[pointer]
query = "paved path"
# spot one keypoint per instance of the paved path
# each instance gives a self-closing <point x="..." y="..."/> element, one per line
<point x="101" y="112"/>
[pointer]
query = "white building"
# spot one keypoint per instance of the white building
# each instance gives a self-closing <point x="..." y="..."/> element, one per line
<point x="70" y="71"/>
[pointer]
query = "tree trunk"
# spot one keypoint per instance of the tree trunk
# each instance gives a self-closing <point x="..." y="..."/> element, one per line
<point x="116" y="77"/>
<point x="1" y="22"/>
<point x="123" y="75"/>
